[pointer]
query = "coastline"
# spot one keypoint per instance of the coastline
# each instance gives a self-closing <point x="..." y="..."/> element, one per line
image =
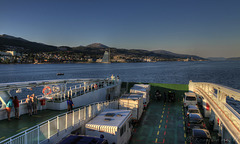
<point x="101" y="63"/>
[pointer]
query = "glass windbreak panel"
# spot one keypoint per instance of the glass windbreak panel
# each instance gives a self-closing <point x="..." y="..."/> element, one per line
<point x="215" y="91"/>
<point x="190" y="98"/>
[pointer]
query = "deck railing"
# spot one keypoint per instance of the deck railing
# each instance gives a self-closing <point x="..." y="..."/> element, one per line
<point x="52" y="127"/>
<point x="74" y="91"/>
<point x="216" y="98"/>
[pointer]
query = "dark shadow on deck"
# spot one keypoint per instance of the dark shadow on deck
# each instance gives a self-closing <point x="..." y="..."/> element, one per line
<point x="10" y="128"/>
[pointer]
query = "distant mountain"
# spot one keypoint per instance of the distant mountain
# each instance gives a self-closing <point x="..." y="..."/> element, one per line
<point x="234" y="59"/>
<point x="216" y="58"/>
<point x="176" y="55"/>
<point x="12" y="37"/>
<point x="21" y="45"/>
<point x="97" y="45"/>
<point x="94" y="50"/>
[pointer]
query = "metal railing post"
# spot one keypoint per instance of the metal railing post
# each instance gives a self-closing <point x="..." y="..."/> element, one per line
<point x="58" y="124"/>
<point x="25" y="138"/>
<point x="66" y="122"/>
<point x="49" y="130"/>
<point x="73" y="118"/>
<point x="75" y="90"/>
<point x="79" y="117"/>
<point x="84" y="89"/>
<point x="90" y="111"/>
<point x="84" y="110"/>
<point x="80" y="87"/>
<point x="38" y="134"/>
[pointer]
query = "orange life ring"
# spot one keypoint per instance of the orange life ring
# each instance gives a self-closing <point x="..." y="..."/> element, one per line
<point x="47" y="88"/>
<point x="95" y="86"/>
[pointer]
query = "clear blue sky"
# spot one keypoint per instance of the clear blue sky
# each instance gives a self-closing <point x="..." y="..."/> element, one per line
<point x="201" y="27"/>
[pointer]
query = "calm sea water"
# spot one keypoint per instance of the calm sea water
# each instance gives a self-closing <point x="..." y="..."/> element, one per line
<point x="225" y="72"/>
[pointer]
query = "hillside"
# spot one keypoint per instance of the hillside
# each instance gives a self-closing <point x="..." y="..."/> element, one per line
<point x="216" y="58"/>
<point x="234" y="59"/>
<point x="176" y="55"/>
<point x="94" y="50"/>
<point x="99" y="51"/>
<point x="21" y="45"/>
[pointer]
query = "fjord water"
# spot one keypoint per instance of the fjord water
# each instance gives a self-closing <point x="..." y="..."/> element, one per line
<point x="221" y="72"/>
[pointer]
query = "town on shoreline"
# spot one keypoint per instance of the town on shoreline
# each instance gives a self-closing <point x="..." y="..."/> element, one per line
<point x="11" y="57"/>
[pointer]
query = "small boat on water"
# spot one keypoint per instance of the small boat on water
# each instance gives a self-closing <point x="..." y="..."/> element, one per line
<point x="58" y="74"/>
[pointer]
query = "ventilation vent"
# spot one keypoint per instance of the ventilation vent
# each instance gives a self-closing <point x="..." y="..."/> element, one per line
<point x="119" y="115"/>
<point x="109" y="114"/>
<point x="107" y="119"/>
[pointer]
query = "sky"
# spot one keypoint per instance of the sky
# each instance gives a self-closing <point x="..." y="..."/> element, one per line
<point x="207" y="28"/>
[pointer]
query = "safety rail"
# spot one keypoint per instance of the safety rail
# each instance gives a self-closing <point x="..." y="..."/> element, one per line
<point x="80" y="90"/>
<point x="87" y="85"/>
<point x="74" y="91"/>
<point x="70" y="120"/>
<point x="233" y="111"/>
<point x="216" y="95"/>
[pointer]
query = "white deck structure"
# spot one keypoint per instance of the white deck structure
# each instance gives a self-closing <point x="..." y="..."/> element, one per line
<point x="144" y="89"/>
<point x="115" y="128"/>
<point x="132" y="102"/>
<point x="82" y="92"/>
<point x="226" y="119"/>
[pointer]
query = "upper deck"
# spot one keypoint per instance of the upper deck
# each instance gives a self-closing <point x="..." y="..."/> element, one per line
<point x="162" y="122"/>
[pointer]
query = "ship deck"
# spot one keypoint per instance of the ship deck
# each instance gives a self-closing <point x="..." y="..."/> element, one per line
<point x="15" y="126"/>
<point x="161" y="122"/>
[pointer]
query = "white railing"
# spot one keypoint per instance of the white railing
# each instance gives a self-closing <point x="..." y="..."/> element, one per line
<point x="62" y="122"/>
<point x="217" y="101"/>
<point x="71" y="92"/>
<point x="75" y="91"/>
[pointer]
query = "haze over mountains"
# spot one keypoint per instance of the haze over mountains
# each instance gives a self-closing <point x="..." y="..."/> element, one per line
<point x="21" y="45"/>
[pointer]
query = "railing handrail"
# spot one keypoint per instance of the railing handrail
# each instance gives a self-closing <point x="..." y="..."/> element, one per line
<point x="55" y="117"/>
<point x="68" y="90"/>
<point x="233" y="111"/>
<point x="210" y="100"/>
<point x="233" y="93"/>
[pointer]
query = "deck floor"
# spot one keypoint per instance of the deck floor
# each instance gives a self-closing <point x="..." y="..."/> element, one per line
<point x="15" y="126"/>
<point x="161" y="123"/>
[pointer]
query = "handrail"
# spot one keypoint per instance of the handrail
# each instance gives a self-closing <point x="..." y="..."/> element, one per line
<point x="233" y="111"/>
<point x="64" y="97"/>
<point x="74" y="89"/>
<point x="233" y="93"/>
<point x="233" y="126"/>
<point x="36" y="127"/>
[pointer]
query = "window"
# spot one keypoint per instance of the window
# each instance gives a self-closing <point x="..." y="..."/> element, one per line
<point x="191" y="98"/>
<point x="123" y="129"/>
<point x="130" y="124"/>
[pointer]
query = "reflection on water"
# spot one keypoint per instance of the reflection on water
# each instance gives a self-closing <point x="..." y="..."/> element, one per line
<point x="225" y="73"/>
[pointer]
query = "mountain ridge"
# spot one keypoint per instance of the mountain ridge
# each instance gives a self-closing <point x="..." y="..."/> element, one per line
<point x="97" y="45"/>
<point x="92" y="49"/>
<point x="175" y="54"/>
